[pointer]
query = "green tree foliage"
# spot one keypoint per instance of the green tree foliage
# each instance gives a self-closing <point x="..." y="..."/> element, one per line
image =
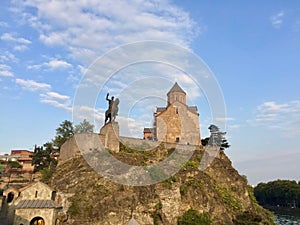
<point x="63" y="133"/>
<point x="284" y="193"/>
<point x="13" y="167"/>
<point x="224" y="143"/>
<point x="192" y="217"/>
<point x="217" y="137"/>
<point x="84" y="127"/>
<point x="42" y="157"/>
<point x="14" y="164"/>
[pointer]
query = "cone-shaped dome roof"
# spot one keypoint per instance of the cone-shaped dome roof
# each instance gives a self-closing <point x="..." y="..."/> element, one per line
<point x="176" y="88"/>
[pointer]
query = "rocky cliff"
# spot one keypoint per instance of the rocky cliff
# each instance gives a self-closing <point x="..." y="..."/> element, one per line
<point x="217" y="195"/>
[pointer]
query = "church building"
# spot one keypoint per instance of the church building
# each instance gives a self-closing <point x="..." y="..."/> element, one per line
<point x="177" y="122"/>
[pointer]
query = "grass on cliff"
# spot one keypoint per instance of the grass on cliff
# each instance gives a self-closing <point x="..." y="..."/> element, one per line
<point x="193" y="217"/>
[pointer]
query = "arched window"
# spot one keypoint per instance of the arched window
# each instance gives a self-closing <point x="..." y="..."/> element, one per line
<point x="10" y="197"/>
<point x="37" y="221"/>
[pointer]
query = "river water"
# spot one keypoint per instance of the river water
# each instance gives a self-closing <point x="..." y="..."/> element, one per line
<point x="284" y="219"/>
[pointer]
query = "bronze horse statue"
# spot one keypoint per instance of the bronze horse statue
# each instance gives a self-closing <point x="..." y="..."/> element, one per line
<point x="112" y="113"/>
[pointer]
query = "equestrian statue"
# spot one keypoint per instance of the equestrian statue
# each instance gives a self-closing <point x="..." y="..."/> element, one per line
<point x="112" y="111"/>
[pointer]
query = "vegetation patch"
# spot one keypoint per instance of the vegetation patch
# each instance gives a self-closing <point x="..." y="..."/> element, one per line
<point x="168" y="182"/>
<point x="158" y="206"/>
<point x="157" y="219"/>
<point x="74" y="208"/>
<point x="227" y="197"/>
<point x="183" y="189"/>
<point x="193" y="217"/>
<point x="247" y="218"/>
<point x="192" y="164"/>
<point x="102" y="189"/>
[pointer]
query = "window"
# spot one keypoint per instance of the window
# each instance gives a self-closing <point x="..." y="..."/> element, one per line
<point x="10" y="197"/>
<point x="53" y="195"/>
<point x="177" y="139"/>
<point x="36" y="193"/>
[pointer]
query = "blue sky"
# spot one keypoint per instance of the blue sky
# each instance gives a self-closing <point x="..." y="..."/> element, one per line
<point x="253" y="49"/>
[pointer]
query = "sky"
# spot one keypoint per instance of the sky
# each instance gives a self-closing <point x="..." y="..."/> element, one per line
<point x="48" y="49"/>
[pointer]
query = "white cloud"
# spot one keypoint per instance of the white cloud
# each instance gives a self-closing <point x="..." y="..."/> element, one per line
<point x="10" y="37"/>
<point x="20" y="48"/>
<point x="5" y="71"/>
<point x="284" y="117"/>
<point x="31" y="85"/>
<point x="97" y="26"/>
<point x="48" y="97"/>
<point x="57" y="100"/>
<point x="58" y="64"/>
<point x="56" y="104"/>
<point x="52" y="65"/>
<point x="56" y="95"/>
<point x="7" y="56"/>
<point x="277" y="19"/>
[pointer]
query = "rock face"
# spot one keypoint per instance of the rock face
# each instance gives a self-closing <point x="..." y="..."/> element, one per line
<point x="218" y="191"/>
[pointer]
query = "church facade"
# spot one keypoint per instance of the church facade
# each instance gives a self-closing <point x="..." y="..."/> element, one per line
<point x="177" y="122"/>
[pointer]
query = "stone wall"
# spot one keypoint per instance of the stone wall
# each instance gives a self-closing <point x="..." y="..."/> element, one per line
<point x="110" y="131"/>
<point x="37" y="191"/>
<point x="69" y="150"/>
<point x="178" y="124"/>
<point x="109" y="137"/>
<point x="137" y="143"/>
<point x="24" y="216"/>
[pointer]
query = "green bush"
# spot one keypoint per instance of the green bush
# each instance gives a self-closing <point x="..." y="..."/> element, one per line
<point x="46" y="174"/>
<point x="73" y="209"/>
<point x="15" y="164"/>
<point x="156" y="219"/>
<point x="168" y="182"/>
<point x="191" y="165"/>
<point x="228" y="198"/>
<point x="247" y="218"/>
<point x="183" y="189"/>
<point x="158" y="206"/>
<point x="192" y="217"/>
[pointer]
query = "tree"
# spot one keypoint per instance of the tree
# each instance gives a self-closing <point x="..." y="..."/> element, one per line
<point x="13" y="167"/>
<point x="217" y="138"/>
<point x="84" y="127"/>
<point x="42" y="157"/>
<point x="284" y="193"/>
<point x="63" y="133"/>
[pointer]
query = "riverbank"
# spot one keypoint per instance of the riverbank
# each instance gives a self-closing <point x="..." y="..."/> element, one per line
<point x="283" y="210"/>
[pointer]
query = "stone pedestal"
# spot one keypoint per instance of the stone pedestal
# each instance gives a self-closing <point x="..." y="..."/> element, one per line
<point x="109" y="135"/>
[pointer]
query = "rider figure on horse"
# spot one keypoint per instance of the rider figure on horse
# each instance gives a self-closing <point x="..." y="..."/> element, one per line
<point x="112" y="110"/>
